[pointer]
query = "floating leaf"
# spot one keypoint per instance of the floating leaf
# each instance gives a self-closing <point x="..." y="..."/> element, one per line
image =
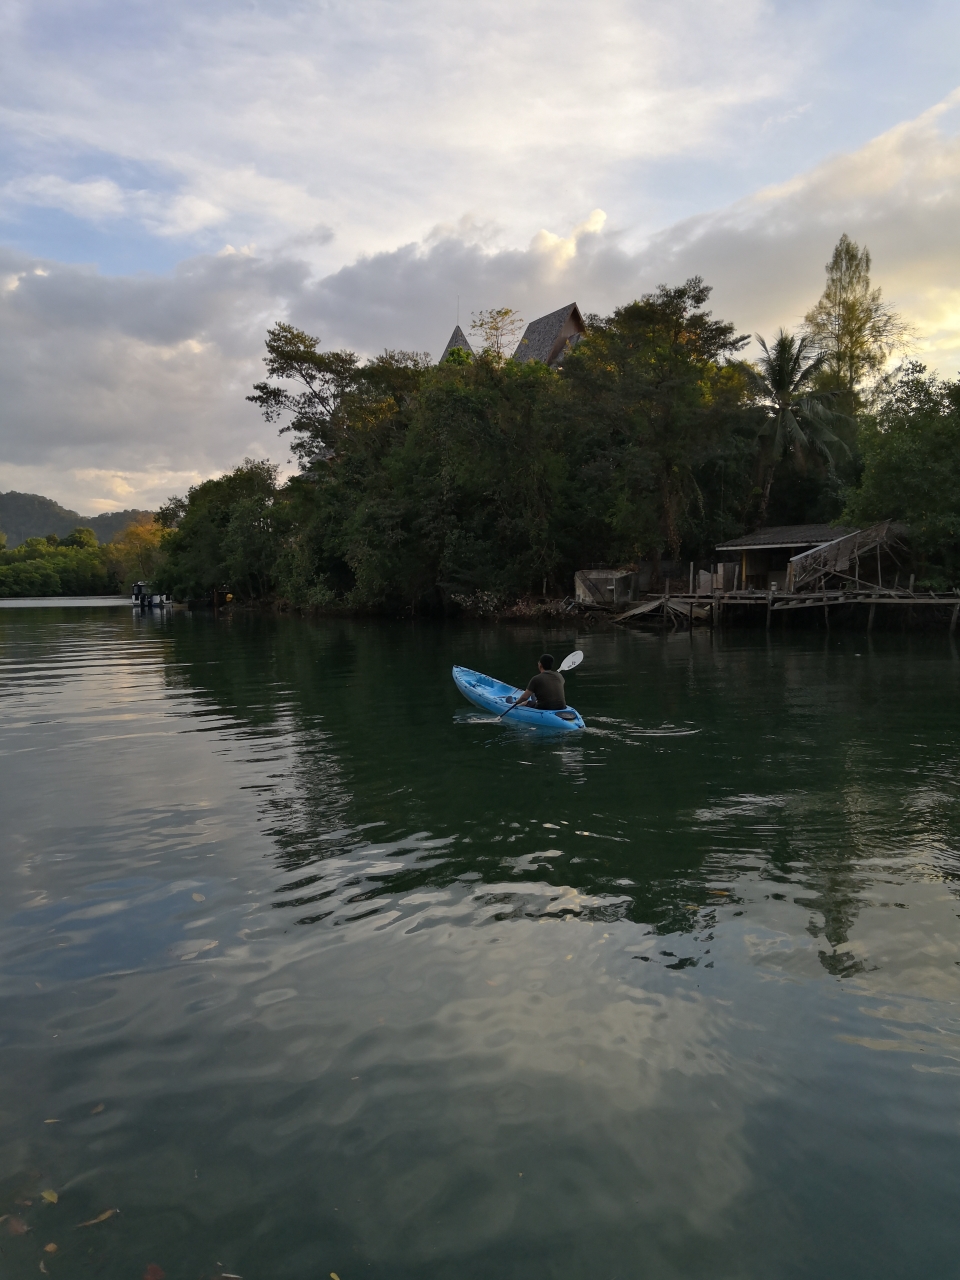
<point x="153" y="1272"/>
<point x="43" y="1267"/>
<point x="334" y="1276"/>
<point x="51" y="1122"/>
<point x="51" y="1197"/>
<point x="50" y="1248"/>
<point x="16" y="1226"/>
<point x="107" y="1213"/>
<point x="198" y="897"/>
<point x="97" y="1109"/>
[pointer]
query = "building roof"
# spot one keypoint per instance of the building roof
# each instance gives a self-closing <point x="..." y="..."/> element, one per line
<point x="546" y="339"/>
<point x="457" y="339"/>
<point x="785" y="535"/>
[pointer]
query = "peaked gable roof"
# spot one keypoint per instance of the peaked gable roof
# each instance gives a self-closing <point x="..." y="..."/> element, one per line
<point x="457" y="339"/>
<point x="546" y="339"/>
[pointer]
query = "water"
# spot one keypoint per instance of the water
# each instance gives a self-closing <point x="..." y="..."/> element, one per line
<point x="318" y="971"/>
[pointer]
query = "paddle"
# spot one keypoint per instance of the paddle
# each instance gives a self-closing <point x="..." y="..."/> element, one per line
<point x="570" y="661"/>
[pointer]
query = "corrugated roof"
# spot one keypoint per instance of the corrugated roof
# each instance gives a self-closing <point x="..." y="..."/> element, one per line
<point x="457" y="339"/>
<point x="546" y="339"/>
<point x="786" y="535"/>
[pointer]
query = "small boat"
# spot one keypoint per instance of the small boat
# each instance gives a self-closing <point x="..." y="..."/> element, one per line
<point x="493" y="695"/>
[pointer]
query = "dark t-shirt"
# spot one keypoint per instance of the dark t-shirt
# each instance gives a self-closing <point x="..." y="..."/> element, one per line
<point x="547" y="688"/>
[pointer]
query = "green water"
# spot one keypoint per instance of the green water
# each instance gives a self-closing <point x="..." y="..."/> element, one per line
<point x="366" y="984"/>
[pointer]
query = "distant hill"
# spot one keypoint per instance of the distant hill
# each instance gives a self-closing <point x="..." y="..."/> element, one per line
<point x="29" y="515"/>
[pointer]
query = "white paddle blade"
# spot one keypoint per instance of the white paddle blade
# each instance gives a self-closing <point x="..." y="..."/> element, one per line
<point x="572" y="660"/>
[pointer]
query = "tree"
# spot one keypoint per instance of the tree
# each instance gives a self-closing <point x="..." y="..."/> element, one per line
<point x="799" y="419"/>
<point x="324" y="381"/>
<point x="336" y="394"/>
<point x="80" y="537"/>
<point x="653" y="393"/>
<point x="911" y="449"/>
<point x="499" y="330"/>
<point x="852" y="325"/>
<point x="135" y="554"/>
<point x="225" y="534"/>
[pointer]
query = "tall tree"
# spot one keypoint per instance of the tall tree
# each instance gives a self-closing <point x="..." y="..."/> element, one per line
<point x="852" y="325"/>
<point x="499" y="331"/>
<point x="799" y="417"/>
<point x="654" y="393"/>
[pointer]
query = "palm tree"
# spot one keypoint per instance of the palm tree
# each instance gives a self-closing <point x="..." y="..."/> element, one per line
<point x="799" y="419"/>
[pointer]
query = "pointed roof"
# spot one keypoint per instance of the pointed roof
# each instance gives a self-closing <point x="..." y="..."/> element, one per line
<point x="457" y="339"/>
<point x="549" y="337"/>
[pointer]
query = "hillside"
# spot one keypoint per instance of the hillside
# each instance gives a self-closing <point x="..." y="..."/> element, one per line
<point x="30" y="515"/>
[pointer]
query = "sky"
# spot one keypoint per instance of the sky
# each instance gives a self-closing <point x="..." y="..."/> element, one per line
<point x="175" y="178"/>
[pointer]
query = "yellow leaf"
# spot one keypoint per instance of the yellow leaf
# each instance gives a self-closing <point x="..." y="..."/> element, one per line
<point x="50" y="1248"/>
<point x="334" y="1276"/>
<point x="51" y="1197"/>
<point x="198" y="897"/>
<point x="92" y="1222"/>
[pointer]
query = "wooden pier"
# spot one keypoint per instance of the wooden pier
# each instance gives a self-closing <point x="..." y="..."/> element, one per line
<point x="690" y="609"/>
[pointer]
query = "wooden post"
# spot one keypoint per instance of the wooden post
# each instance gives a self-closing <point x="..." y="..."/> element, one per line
<point x="873" y="610"/>
<point x="691" y="617"/>
<point x="826" y="611"/>
<point x="769" y="608"/>
<point x="879" y="570"/>
<point x="691" y="577"/>
<point x="912" y="580"/>
<point x="953" y="618"/>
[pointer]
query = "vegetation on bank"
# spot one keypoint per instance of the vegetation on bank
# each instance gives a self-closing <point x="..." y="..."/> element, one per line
<point x="78" y="565"/>
<point x="484" y="479"/>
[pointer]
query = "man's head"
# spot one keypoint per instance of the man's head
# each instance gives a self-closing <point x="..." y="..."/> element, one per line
<point x="546" y="662"/>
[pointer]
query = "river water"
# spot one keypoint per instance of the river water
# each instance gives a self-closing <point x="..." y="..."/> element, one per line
<point x="308" y="968"/>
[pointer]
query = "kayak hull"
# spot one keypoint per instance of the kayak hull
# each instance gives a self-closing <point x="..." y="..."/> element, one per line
<point x="495" y="696"/>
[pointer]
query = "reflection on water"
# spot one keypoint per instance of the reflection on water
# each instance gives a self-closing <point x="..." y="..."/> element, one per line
<point x="309" y="967"/>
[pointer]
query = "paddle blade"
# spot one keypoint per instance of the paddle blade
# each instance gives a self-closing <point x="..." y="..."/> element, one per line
<point x="572" y="660"/>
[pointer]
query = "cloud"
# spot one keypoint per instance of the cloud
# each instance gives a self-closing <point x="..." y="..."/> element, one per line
<point x="259" y="122"/>
<point x="120" y="390"/>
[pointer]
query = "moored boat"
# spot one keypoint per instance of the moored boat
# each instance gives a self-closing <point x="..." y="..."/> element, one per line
<point x="495" y="696"/>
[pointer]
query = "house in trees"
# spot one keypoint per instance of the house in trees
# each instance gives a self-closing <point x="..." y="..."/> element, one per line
<point x="550" y="337"/>
<point x="457" y="339"/>
<point x="808" y="557"/>
<point x="546" y="339"/>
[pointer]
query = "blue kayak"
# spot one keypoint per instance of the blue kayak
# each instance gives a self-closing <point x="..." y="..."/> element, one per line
<point x="493" y="695"/>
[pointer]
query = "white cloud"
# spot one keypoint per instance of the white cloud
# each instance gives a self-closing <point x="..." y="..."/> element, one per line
<point x="264" y="121"/>
<point x="120" y="390"/>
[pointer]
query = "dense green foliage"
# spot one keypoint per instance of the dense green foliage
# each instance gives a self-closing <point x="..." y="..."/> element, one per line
<point x="75" y="566"/>
<point x="483" y="479"/>
<point x="422" y="484"/>
<point x="226" y="531"/>
<point x="911" y="452"/>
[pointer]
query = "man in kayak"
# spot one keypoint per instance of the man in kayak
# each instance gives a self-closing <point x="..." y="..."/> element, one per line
<point x="545" y="690"/>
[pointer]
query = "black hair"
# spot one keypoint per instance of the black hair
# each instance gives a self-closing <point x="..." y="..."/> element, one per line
<point x="546" y="661"/>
